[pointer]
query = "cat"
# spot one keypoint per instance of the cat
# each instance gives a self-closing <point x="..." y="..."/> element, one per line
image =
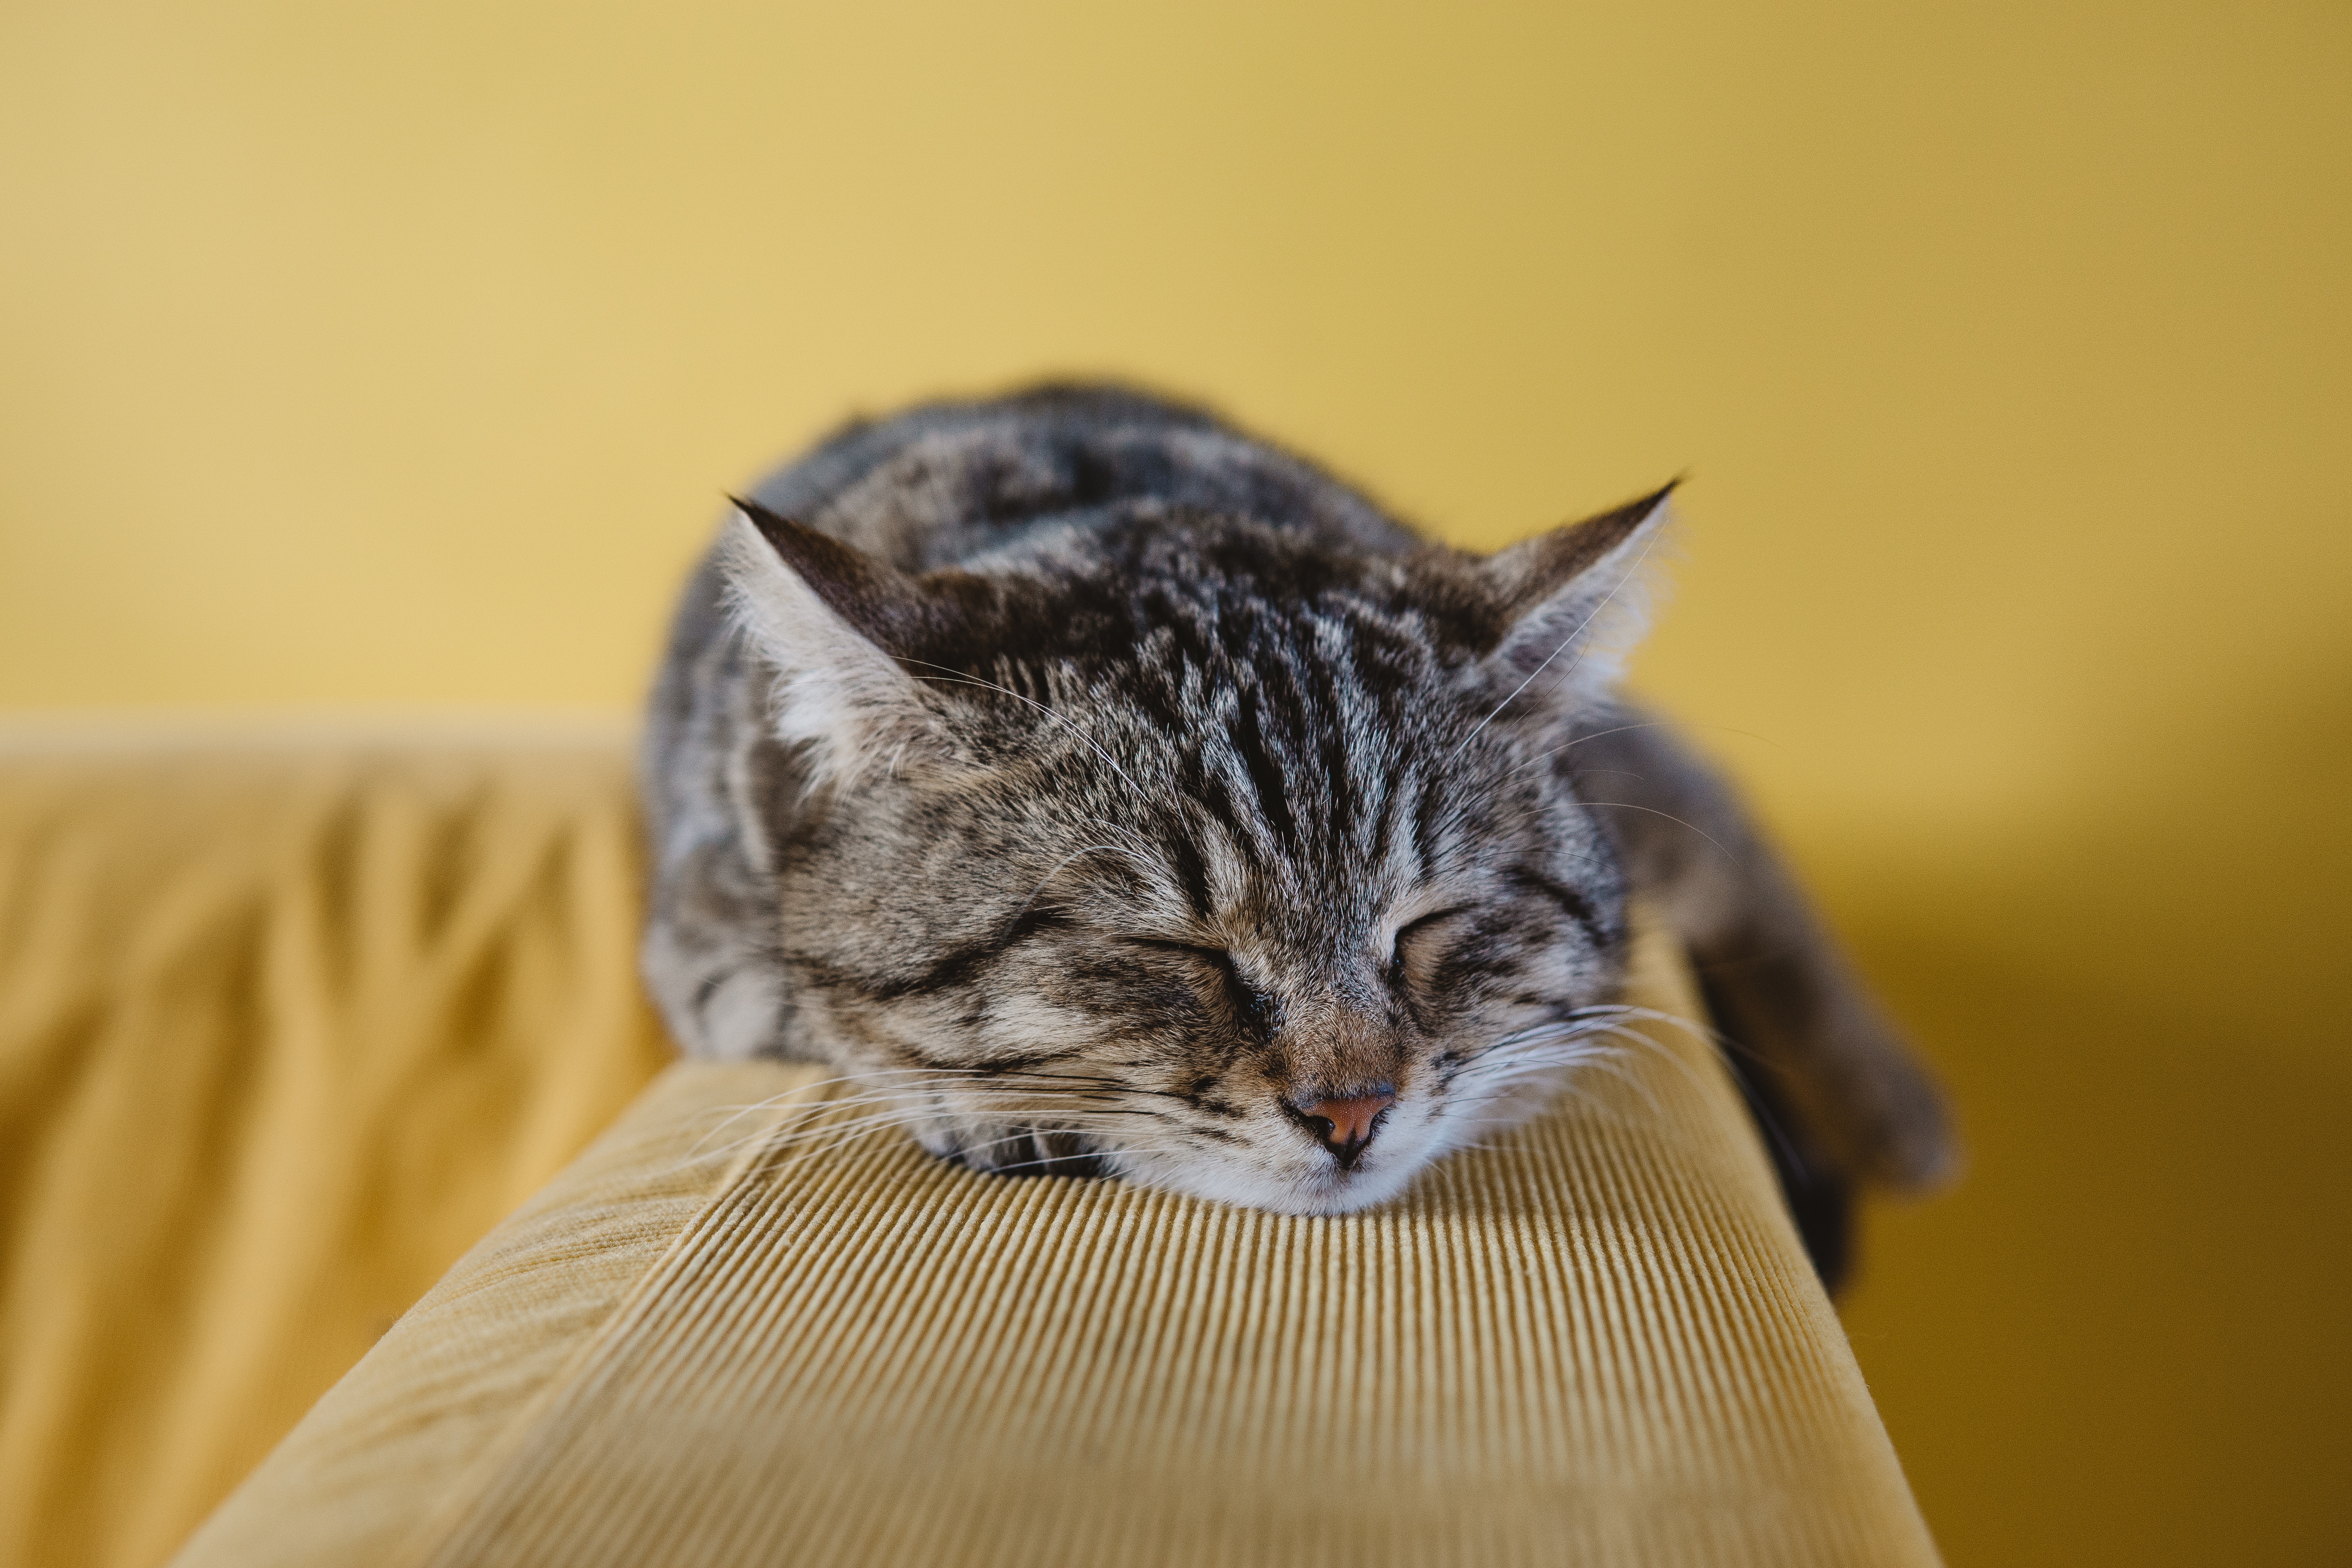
<point x="1102" y="790"/>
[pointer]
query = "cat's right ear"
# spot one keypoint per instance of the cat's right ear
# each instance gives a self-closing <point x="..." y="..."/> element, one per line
<point x="828" y="619"/>
<point x="1571" y="603"/>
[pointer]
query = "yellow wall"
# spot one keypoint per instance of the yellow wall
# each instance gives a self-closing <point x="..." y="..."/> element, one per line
<point x="377" y="354"/>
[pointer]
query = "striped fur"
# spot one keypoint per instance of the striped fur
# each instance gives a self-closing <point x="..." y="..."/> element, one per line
<point x="1096" y="787"/>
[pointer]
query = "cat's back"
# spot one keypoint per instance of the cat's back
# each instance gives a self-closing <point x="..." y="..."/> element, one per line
<point x="940" y="484"/>
<point x="943" y="484"/>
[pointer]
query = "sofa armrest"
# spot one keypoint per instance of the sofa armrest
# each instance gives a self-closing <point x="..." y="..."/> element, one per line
<point x="1595" y="1341"/>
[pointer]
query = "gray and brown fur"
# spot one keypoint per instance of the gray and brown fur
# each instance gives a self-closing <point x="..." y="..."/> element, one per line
<point x="1099" y="788"/>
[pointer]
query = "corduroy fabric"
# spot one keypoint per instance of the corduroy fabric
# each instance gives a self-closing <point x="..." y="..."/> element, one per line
<point x="735" y="1336"/>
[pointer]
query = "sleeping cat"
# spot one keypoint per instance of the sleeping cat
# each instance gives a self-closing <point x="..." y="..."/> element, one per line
<point x="1102" y="790"/>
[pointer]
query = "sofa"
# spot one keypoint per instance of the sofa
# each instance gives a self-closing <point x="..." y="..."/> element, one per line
<point x="354" y="1212"/>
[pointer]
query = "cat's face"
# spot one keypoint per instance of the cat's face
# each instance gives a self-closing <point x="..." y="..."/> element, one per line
<point x="1201" y="865"/>
<point x="1293" y="1009"/>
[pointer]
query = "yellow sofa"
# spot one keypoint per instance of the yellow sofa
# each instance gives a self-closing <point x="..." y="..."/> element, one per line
<point x="287" y="1023"/>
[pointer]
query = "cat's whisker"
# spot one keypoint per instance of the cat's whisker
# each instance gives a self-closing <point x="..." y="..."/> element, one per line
<point x="1519" y="1042"/>
<point x="1551" y="1027"/>
<point x="825" y="1124"/>
<point x="946" y="1074"/>
<point x="1545" y="756"/>
<point x="1670" y="817"/>
<point x="1536" y="1064"/>
<point x="1524" y="1064"/>
<point x="1545" y="1054"/>
<point x="1630" y="729"/>
<point x="808" y="1127"/>
<point x="1606" y="1018"/>
<point x="1525" y="1087"/>
<point x="1619" y="1012"/>
<point x="1521" y="1082"/>
<point x="1766" y="1116"/>
<point x="767" y="1139"/>
<point x="1635" y="1038"/>
<point x="825" y="1136"/>
<point x="1617" y="1070"/>
<point x="1539" y="1057"/>
<point x="1592" y="1104"/>
<point x="1694" y="1028"/>
<point x="737" y="1112"/>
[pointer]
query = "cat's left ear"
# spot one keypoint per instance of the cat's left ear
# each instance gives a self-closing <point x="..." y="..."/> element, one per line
<point x="1572" y="603"/>
<point x="832" y="622"/>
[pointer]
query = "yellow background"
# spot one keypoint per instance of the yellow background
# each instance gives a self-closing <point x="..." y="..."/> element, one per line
<point x="375" y="355"/>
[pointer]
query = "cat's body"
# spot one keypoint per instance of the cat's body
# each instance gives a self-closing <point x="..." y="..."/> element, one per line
<point x="1130" y="795"/>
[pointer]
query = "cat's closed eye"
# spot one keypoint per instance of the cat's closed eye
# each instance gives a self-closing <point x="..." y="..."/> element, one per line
<point x="1251" y="1007"/>
<point x="1419" y="944"/>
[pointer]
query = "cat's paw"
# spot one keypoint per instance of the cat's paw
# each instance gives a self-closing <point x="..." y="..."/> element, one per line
<point x="1020" y="1151"/>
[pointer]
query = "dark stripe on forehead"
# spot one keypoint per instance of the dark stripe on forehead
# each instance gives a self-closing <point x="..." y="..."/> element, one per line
<point x="1285" y="715"/>
<point x="1208" y="786"/>
<point x="1393" y="795"/>
<point x="1158" y="697"/>
<point x="1426" y="825"/>
<point x="1388" y="663"/>
<point x="1265" y="776"/>
<point x="1181" y="618"/>
<point x="1337" y="776"/>
<point x="1191" y="871"/>
<point x="1175" y="649"/>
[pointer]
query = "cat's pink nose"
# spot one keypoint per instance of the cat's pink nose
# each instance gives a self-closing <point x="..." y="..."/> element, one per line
<point x="1345" y="1126"/>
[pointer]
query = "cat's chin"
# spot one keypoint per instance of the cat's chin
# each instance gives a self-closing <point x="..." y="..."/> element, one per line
<point x="1312" y="1188"/>
<point x="1307" y="1193"/>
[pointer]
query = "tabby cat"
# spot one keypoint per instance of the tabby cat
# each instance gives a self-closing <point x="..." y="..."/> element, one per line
<point x="1099" y="789"/>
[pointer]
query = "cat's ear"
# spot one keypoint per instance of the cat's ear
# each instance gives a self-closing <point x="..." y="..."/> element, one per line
<point x="1572" y="603"/>
<point x="826" y="618"/>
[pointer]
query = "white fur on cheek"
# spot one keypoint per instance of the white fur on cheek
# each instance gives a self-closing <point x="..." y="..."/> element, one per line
<point x="740" y="1015"/>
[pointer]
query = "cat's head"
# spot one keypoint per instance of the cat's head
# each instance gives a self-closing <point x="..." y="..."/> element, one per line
<point x="1187" y="849"/>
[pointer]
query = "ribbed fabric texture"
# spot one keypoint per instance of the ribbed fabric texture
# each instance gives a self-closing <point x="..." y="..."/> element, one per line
<point x="736" y="1336"/>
